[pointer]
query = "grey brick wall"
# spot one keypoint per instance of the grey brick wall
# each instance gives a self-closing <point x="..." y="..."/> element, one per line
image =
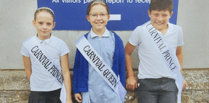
<point x="14" y="87"/>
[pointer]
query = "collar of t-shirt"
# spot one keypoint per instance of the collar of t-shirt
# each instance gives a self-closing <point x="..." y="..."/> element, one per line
<point x="44" y="41"/>
<point x="93" y="35"/>
<point x="170" y="28"/>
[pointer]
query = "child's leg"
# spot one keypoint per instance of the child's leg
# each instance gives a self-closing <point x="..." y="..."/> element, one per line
<point x="168" y="97"/>
<point x="45" y="97"/>
<point x="54" y="96"/>
<point x="169" y="92"/>
<point x="37" y="97"/>
<point x="147" y="96"/>
<point x="148" y="90"/>
<point x="159" y="90"/>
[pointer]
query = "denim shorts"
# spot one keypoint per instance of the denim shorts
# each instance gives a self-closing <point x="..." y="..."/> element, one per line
<point x="162" y="90"/>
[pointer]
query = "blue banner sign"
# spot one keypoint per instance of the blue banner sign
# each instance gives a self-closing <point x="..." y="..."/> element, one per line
<point x="125" y="14"/>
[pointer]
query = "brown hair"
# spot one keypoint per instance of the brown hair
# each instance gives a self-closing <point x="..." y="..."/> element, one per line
<point x="97" y="2"/>
<point x="161" y="5"/>
<point x="48" y="10"/>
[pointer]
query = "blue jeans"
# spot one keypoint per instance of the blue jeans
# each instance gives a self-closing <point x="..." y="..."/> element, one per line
<point x="163" y="90"/>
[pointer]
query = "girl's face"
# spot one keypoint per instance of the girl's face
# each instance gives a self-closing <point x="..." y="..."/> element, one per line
<point x="98" y="17"/>
<point x="44" y="24"/>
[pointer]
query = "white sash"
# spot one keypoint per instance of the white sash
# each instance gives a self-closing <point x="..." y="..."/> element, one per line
<point x="46" y="63"/>
<point x="169" y="58"/>
<point x="100" y="66"/>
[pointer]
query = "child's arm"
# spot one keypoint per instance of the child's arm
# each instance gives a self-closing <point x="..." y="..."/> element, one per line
<point x="27" y="65"/>
<point x="66" y="76"/>
<point x="131" y="82"/>
<point x="179" y="54"/>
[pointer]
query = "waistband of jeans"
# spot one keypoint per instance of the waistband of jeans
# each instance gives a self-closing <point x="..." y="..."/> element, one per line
<point x="163" y="78"/>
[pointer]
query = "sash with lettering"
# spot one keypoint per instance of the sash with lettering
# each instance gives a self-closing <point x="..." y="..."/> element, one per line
<point x="169" y="58"/>
<point x="102" y="68"/>
<point x="44" y="62"/>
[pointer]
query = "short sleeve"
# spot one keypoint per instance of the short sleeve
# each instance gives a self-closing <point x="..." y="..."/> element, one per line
<point x="180" y="37"/>
<point x="134" y="38"/>
<point x="24" y="51"/>
<point x="64" y="49"/>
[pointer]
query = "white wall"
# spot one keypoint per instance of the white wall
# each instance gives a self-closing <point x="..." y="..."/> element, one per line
<point x="16" y="25"/>
<point x="193" y="17"/>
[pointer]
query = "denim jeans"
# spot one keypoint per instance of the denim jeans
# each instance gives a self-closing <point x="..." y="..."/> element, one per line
<point x="162" y="90"/>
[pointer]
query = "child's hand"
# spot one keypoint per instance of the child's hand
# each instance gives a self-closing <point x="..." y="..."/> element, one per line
<point x="185" y="85"/>
<point x="78" y="97"/>
<point x="131" y="83"/>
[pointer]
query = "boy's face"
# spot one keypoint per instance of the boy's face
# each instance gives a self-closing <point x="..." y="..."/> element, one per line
<point x="160" y="19"/>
